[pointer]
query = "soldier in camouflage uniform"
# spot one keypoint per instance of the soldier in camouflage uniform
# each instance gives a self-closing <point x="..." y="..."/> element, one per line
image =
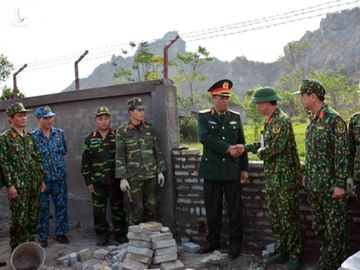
<point x="22" y="167"/>
<point x="277" y="149"/>
<point x="52" y="148"/>
<point x="354" y="141"/>
<point x="98" y="169"/>
<point x="326" y="172"/>
<point x="223" y="166"/>
<point x="139" y="163"/>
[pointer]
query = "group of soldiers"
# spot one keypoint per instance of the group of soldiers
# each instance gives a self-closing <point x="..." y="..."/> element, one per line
<point x="129" y="161"/>
<point x="332" y="161"/>
<point x="33" y="169"/>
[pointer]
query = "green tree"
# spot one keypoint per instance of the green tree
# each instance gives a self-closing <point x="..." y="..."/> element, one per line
<point x="254" y="118"/>
<point x="341" y="91"/>
<point x="5" y="70"/>
<point x="7" y="93"/>
<point x="187" y="66"/>
<point x="146" y="63"/>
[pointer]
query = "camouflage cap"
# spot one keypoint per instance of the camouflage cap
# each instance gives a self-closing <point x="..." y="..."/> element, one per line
<point x="44" y="112"/>
<point x="136" y="103"/>
<point x="17" y="107"/>
<point x="102" y="110"/>
<point x="265" y="94"/>
<point x="311" y="87"/>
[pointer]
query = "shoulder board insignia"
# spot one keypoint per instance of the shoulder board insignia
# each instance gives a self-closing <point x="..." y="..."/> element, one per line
<point x="205" y="111"/>
<point x="235" y="112"/>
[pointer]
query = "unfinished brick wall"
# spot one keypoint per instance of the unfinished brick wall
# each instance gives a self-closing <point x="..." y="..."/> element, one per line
<point x="190" y="210"/>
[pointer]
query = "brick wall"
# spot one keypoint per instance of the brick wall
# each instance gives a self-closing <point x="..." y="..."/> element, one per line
<point x="190" y="210"/>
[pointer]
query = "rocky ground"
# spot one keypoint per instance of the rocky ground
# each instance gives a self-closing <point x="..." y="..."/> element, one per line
<point x="82" y="238"/>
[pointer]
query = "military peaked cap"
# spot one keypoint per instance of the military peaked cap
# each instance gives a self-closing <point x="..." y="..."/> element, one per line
<point x="221" y="88"/>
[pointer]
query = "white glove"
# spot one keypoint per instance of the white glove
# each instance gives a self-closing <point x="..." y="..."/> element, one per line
<point x="161" y="179"/>
<point x="124" y="185"/>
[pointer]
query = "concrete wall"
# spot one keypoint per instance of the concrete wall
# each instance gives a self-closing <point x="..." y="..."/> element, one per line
<point x="191" y="214"/>
<point x="75" y="115"/>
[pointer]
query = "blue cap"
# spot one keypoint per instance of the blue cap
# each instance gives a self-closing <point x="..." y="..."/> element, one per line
<point x="44" y="111"/>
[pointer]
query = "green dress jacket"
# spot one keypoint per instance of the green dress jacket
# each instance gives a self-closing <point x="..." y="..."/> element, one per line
<point x="217" y="133"/>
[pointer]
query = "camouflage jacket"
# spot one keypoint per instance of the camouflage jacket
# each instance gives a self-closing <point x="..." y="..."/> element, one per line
<point x="20" y="160"/>
<point x="327" y="151"/>
<point x="52" y="151"/>
<point x="354" y="141"/>
<point x="138" y="154"/>
<point x="98" y="158"/>
<point x="279" y="152"/>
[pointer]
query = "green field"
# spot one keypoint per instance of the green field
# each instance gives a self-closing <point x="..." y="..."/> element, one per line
<point x="299" y="130"/>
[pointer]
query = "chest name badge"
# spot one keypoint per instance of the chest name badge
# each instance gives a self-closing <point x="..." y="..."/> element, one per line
<point x="232" y="122"/>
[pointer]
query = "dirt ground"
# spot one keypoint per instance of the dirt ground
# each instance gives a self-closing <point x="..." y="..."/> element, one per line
<point x="81" y="238"/>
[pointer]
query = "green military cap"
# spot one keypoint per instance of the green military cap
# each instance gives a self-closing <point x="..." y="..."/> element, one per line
<point x="221" y="88"/>
<point x="17" y="107"/>
<point x="102" y="110"/>
<point x="311" y="87"/>
<point x="265" y="94"/>
<point x="136" y="103"/>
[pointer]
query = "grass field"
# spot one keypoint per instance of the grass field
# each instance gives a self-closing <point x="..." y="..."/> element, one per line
<point x="299" y="131"/>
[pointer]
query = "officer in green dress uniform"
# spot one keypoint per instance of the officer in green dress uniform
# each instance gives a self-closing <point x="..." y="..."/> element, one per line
<point x="223" y="166"/>
<point x="326" y="172"/>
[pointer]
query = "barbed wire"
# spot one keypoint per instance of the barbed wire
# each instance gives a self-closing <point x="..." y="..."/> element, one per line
<point x="209" y="33"/>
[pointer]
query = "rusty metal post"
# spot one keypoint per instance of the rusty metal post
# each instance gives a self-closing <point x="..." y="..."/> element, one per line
<point x="166" y="58"/>
<point x="16" y="90"/>
<point x="76" y="64"/>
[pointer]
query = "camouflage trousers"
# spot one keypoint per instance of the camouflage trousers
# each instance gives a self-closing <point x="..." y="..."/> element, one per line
<point x="283" y="203"/>
<point x="329" y="220"/>
<point x="58" y="191"/>
<point x="24" y="215"/>
<point x="143" y="207"/>
<point x="102" y="194"/>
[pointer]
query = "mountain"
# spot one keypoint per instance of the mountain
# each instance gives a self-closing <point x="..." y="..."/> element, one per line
<point x="335" y="47"/>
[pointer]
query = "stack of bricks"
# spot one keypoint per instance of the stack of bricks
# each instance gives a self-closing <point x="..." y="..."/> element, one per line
<point x="151" y="243"/>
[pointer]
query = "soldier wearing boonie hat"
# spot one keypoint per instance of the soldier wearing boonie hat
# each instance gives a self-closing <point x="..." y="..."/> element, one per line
<point x="139" y="163"/>
<point x="98" y="170"/>
<point x="52" y="147"/>
<point x="326" y="173"/>
<point x="277" y="148"/>
<point x="22" y="167"/>
<point x="223" y="166"/>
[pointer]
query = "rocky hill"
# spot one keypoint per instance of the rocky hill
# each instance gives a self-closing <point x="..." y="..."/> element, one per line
<point x="335" y="46"/>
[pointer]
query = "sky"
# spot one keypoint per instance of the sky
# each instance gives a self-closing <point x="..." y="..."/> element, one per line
<point x="50" y="35"/>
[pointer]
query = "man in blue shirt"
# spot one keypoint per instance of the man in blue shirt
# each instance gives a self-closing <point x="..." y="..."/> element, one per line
<point x="52" y="147"/>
